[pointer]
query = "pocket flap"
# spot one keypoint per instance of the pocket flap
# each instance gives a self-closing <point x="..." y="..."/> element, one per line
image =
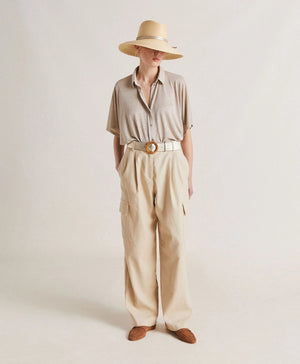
<point x="123" y="206"/>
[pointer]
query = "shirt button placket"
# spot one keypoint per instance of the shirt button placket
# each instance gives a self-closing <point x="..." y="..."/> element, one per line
<point x="150" y="121"/>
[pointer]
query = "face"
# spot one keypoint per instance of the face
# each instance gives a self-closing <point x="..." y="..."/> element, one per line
<point x="151" y="57"/>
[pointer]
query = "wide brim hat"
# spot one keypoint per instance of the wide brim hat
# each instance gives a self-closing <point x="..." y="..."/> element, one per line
<point x="151" y="35"/>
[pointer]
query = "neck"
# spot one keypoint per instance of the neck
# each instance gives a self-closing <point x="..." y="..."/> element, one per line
<point x="147" y="74"/>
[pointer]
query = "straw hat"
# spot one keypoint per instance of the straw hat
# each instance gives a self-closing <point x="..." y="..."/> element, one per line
<point x="151" y="35"/>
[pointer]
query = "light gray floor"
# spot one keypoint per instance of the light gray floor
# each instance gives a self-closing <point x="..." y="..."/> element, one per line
<point x="70" y="309"/>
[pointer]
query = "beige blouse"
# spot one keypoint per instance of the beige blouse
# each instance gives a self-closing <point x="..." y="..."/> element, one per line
<point x="168" y="117"/>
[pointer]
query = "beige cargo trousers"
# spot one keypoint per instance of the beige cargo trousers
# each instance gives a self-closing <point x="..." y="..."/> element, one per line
<point x="154" y="194"/>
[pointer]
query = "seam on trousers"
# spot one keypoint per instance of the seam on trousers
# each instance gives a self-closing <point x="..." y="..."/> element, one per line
<point x="135" y="172"/>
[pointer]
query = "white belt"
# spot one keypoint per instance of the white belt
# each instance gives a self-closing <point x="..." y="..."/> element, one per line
<point x="153" y="147"/>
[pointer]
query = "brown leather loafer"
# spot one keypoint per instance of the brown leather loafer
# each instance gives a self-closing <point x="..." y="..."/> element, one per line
<point x="185" y="335"/>
<point x="138" y="332"/>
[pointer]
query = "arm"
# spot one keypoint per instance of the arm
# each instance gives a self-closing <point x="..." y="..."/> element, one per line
<point x="118" y="151"/>
<point x="187" y="148"/>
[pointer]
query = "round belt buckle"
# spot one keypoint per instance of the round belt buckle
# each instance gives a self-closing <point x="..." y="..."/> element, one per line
<point x="151" y="147"/>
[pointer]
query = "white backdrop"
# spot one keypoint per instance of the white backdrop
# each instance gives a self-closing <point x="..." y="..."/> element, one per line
<point x="61" y="245"/>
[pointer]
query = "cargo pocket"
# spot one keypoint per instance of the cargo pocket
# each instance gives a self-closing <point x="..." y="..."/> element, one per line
<point x="123" y="208"/>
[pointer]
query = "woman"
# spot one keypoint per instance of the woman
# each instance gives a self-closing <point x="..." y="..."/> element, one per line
<point x="150" y="113"/>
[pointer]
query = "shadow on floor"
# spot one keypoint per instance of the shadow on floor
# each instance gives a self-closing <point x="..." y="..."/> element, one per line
<point x="72" y="305"/>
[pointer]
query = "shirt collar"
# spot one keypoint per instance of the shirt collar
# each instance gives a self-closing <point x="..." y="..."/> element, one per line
<point x="160" y="77"/>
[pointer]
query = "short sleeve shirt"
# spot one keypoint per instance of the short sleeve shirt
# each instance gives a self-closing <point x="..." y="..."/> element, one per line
<point x="168" y="117"/>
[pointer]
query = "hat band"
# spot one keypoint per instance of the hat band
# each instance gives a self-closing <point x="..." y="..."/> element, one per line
<point x="152" y="37"/>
